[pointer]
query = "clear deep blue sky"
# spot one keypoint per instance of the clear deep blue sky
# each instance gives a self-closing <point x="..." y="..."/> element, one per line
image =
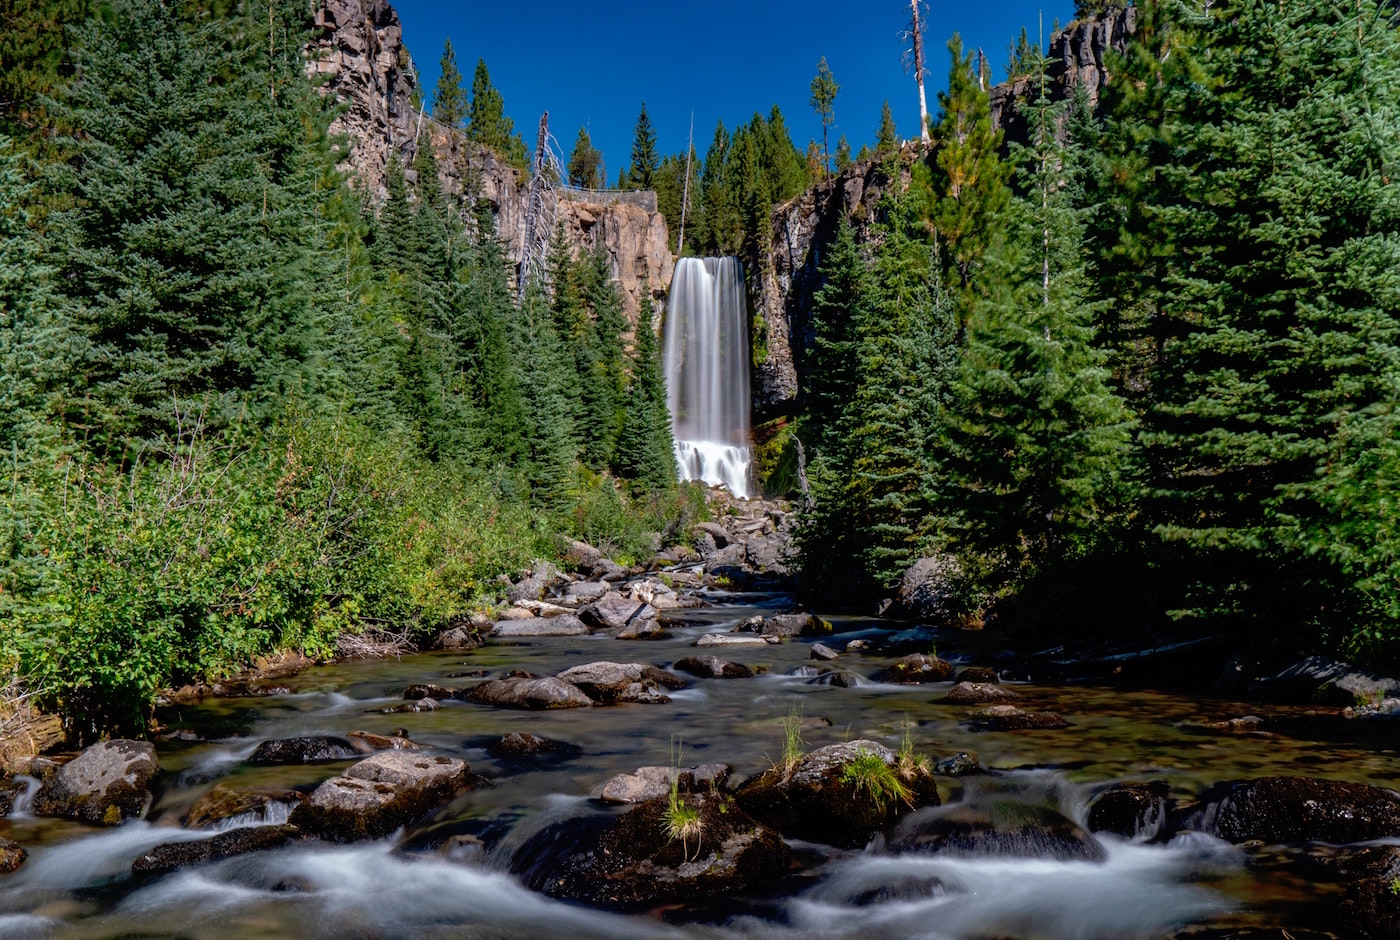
<point x="595" y="63"/>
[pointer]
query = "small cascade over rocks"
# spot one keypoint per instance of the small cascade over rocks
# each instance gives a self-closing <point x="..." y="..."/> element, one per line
<point x="707" y="372"/>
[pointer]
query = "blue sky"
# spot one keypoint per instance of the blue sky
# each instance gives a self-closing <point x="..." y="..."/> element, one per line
<point x="594" y="64"/>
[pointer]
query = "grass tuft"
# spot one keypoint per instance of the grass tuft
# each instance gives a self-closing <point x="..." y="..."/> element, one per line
<point x="868" y="771"/>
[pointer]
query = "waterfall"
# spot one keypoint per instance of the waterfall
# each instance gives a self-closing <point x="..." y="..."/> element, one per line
<point x="707" y="371"/>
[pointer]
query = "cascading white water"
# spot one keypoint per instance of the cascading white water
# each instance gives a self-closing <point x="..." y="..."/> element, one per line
<point x="707" y="372"/>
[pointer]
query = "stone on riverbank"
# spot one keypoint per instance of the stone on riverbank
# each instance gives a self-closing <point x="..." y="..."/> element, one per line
<point x="378" y="795"/>
<point x="562" y="625"/>
<point x="103" y="786"/>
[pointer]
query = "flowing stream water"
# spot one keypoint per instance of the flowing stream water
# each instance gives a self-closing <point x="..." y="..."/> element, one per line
<point x="706" y="358"/>
<point x="78" y="882"/>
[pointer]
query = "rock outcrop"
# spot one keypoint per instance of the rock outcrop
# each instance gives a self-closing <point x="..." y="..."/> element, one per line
<point x="359" y="56"/>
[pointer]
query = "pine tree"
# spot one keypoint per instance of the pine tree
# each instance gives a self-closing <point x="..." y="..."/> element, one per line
<point x="886" y="136"/>
<point x="823" y="101"/>
<point x="843" y="153"/>
<point x="969" y="179"/>
<point x="35" y="59"/>
<point x="724" y="227"/>
<point x="645" y="162"/>
<point x="839" y="307"/>
<point x="1036" y="436"/>
<point x="645" y="449"/>
<point x="487" y="122"/>
<point x="1269" y="237"/>
<point x="546" y="387"/>
<point x="586" y="163"/>
<point x="449" y="100"/>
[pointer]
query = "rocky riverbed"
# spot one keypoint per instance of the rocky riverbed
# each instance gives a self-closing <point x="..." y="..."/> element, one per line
<point x="683" y="751"/>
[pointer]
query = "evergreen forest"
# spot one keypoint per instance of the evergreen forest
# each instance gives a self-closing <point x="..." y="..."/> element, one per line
<point x="1138" y="372"/>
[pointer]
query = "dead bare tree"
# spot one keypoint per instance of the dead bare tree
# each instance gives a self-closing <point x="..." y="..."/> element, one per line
<point x="914" y="58"/>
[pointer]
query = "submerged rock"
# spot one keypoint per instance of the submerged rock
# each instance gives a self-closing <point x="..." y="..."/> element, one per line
<point x="104" y="785"/>
<point x="522" y="744"/>
<point x="648" y="783"/>
<point x="1011" y="718"/>
<point x="1133" y="811"/>
<point x="917" y="668"/>
<point x="307" y="750"/>
<point x="1019" y="830"/>
<point x="618" y="683"/>
<point x="1302" y="809"/>
<point x="712" y="667"/>
<point x="169" y="856"/>
<point x="840" y="795"/>
<point x="636" y="861"/>
<point x="978" y="693"/>
<point x="422" y="690"/>
<point x="379" y="794"/>
<point x="841" y="679"/>
<point x="12" y="856"/>
<point x="543" y="693"/>
<point x="223" y="803"/>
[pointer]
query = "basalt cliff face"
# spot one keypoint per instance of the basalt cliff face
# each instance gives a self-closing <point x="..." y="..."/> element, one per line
<point x="359" y="55"/>
<point x="784" y="279"/>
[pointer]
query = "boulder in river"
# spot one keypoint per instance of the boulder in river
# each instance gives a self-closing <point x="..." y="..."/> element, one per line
<point x="224" y="803"/>
<point x="823" y="652"/>
<point x="373" y="741"/>
<point x="640" y="859"/>
<point x="534" y="694"/>
<point x="1303" y="809"/>
<point x="563" y="625"/>
<point x="515" y="745"/>
<point x="960" y="764"/>
<point x="734" y="639"/>
<point x="1011" y="718"/>
<point x="1130" y="810"/>
<point x="428" y="690"/>
<point x="459" y="638"/>
<point x="103" y="786"/>
<point x="613" y="611"/>
<point x="648" y="783"/>
<point x="918" y="668"/>
<point x="316" y="749"/>
<point x="619" y="683"/>
<point x="839" y="795"/>
<point x="169" y="856"/>
<point x="380" y="794"/>
<point x="785" y="625"/>
<point x="12" y="855"/>
<point x="1371" y="905"/>
<point x="643" y="630"/>
<point x="1020" y="830"/>
<point x="712" y="667"/>
<point x="978" y="693"/>
<point x="979" y="674"/>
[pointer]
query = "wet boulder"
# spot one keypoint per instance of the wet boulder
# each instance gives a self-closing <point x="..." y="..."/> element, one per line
<point x="821" y="651"/>
<point x="421" y="690"/>
<point x="369" y="741"/>
<point x="103" y="786"/>
<point x="734" y="639"/>
<point x="839" y="795"/>
<point x="563" y="625"/>
<point x="531" y="694"/>
<point x="1131" y="810"/>
<point x="12" y="856"/>
<point x="917" y="668"/>
<point x="979" y="674"/>
<point x="1371" y="905"/>
<point x="640" y="860"/>
<point x="648" y="783"/>
<point x="960" y="764"/>
<point x="978" y="693"/>
<point x="613" y="611"/>
<point x="785" y="625"/>
<point x="168" y="856"/>
<point x="1011" y="718"/>
<point x="518" y="745"/>
<point x="223" y="804"/>
<point x="317" y="749"/>
<point x="1007" y="828"/>
<point x="643" y="630"/>
<point x="619" y="683"/>
<point x="1302" y="809"/>
<point x="379" y="794"/>
<point x="712" y="667"/>
<point x="422" y="705"/>
<point x="841" y="679"/>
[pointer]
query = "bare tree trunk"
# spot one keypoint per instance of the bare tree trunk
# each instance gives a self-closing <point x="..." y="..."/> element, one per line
<point x="918" y="30"/>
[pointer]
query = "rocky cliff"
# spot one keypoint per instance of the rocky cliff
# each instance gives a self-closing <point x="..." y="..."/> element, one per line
<point x="783" y="280"/>
<point x="359" y="55"/>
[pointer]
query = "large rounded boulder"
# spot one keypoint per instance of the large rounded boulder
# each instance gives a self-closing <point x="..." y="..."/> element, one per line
<point x="617" y="683"/>
<point x="662" y="852"/>
<point x="529" y="693"/>
<point x="379" y="794"/>
<point x="104" y="785"/>
<point x="839" y="795"/>
<point x="1019" y="830"/>
<point x="1303" y="809"/>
